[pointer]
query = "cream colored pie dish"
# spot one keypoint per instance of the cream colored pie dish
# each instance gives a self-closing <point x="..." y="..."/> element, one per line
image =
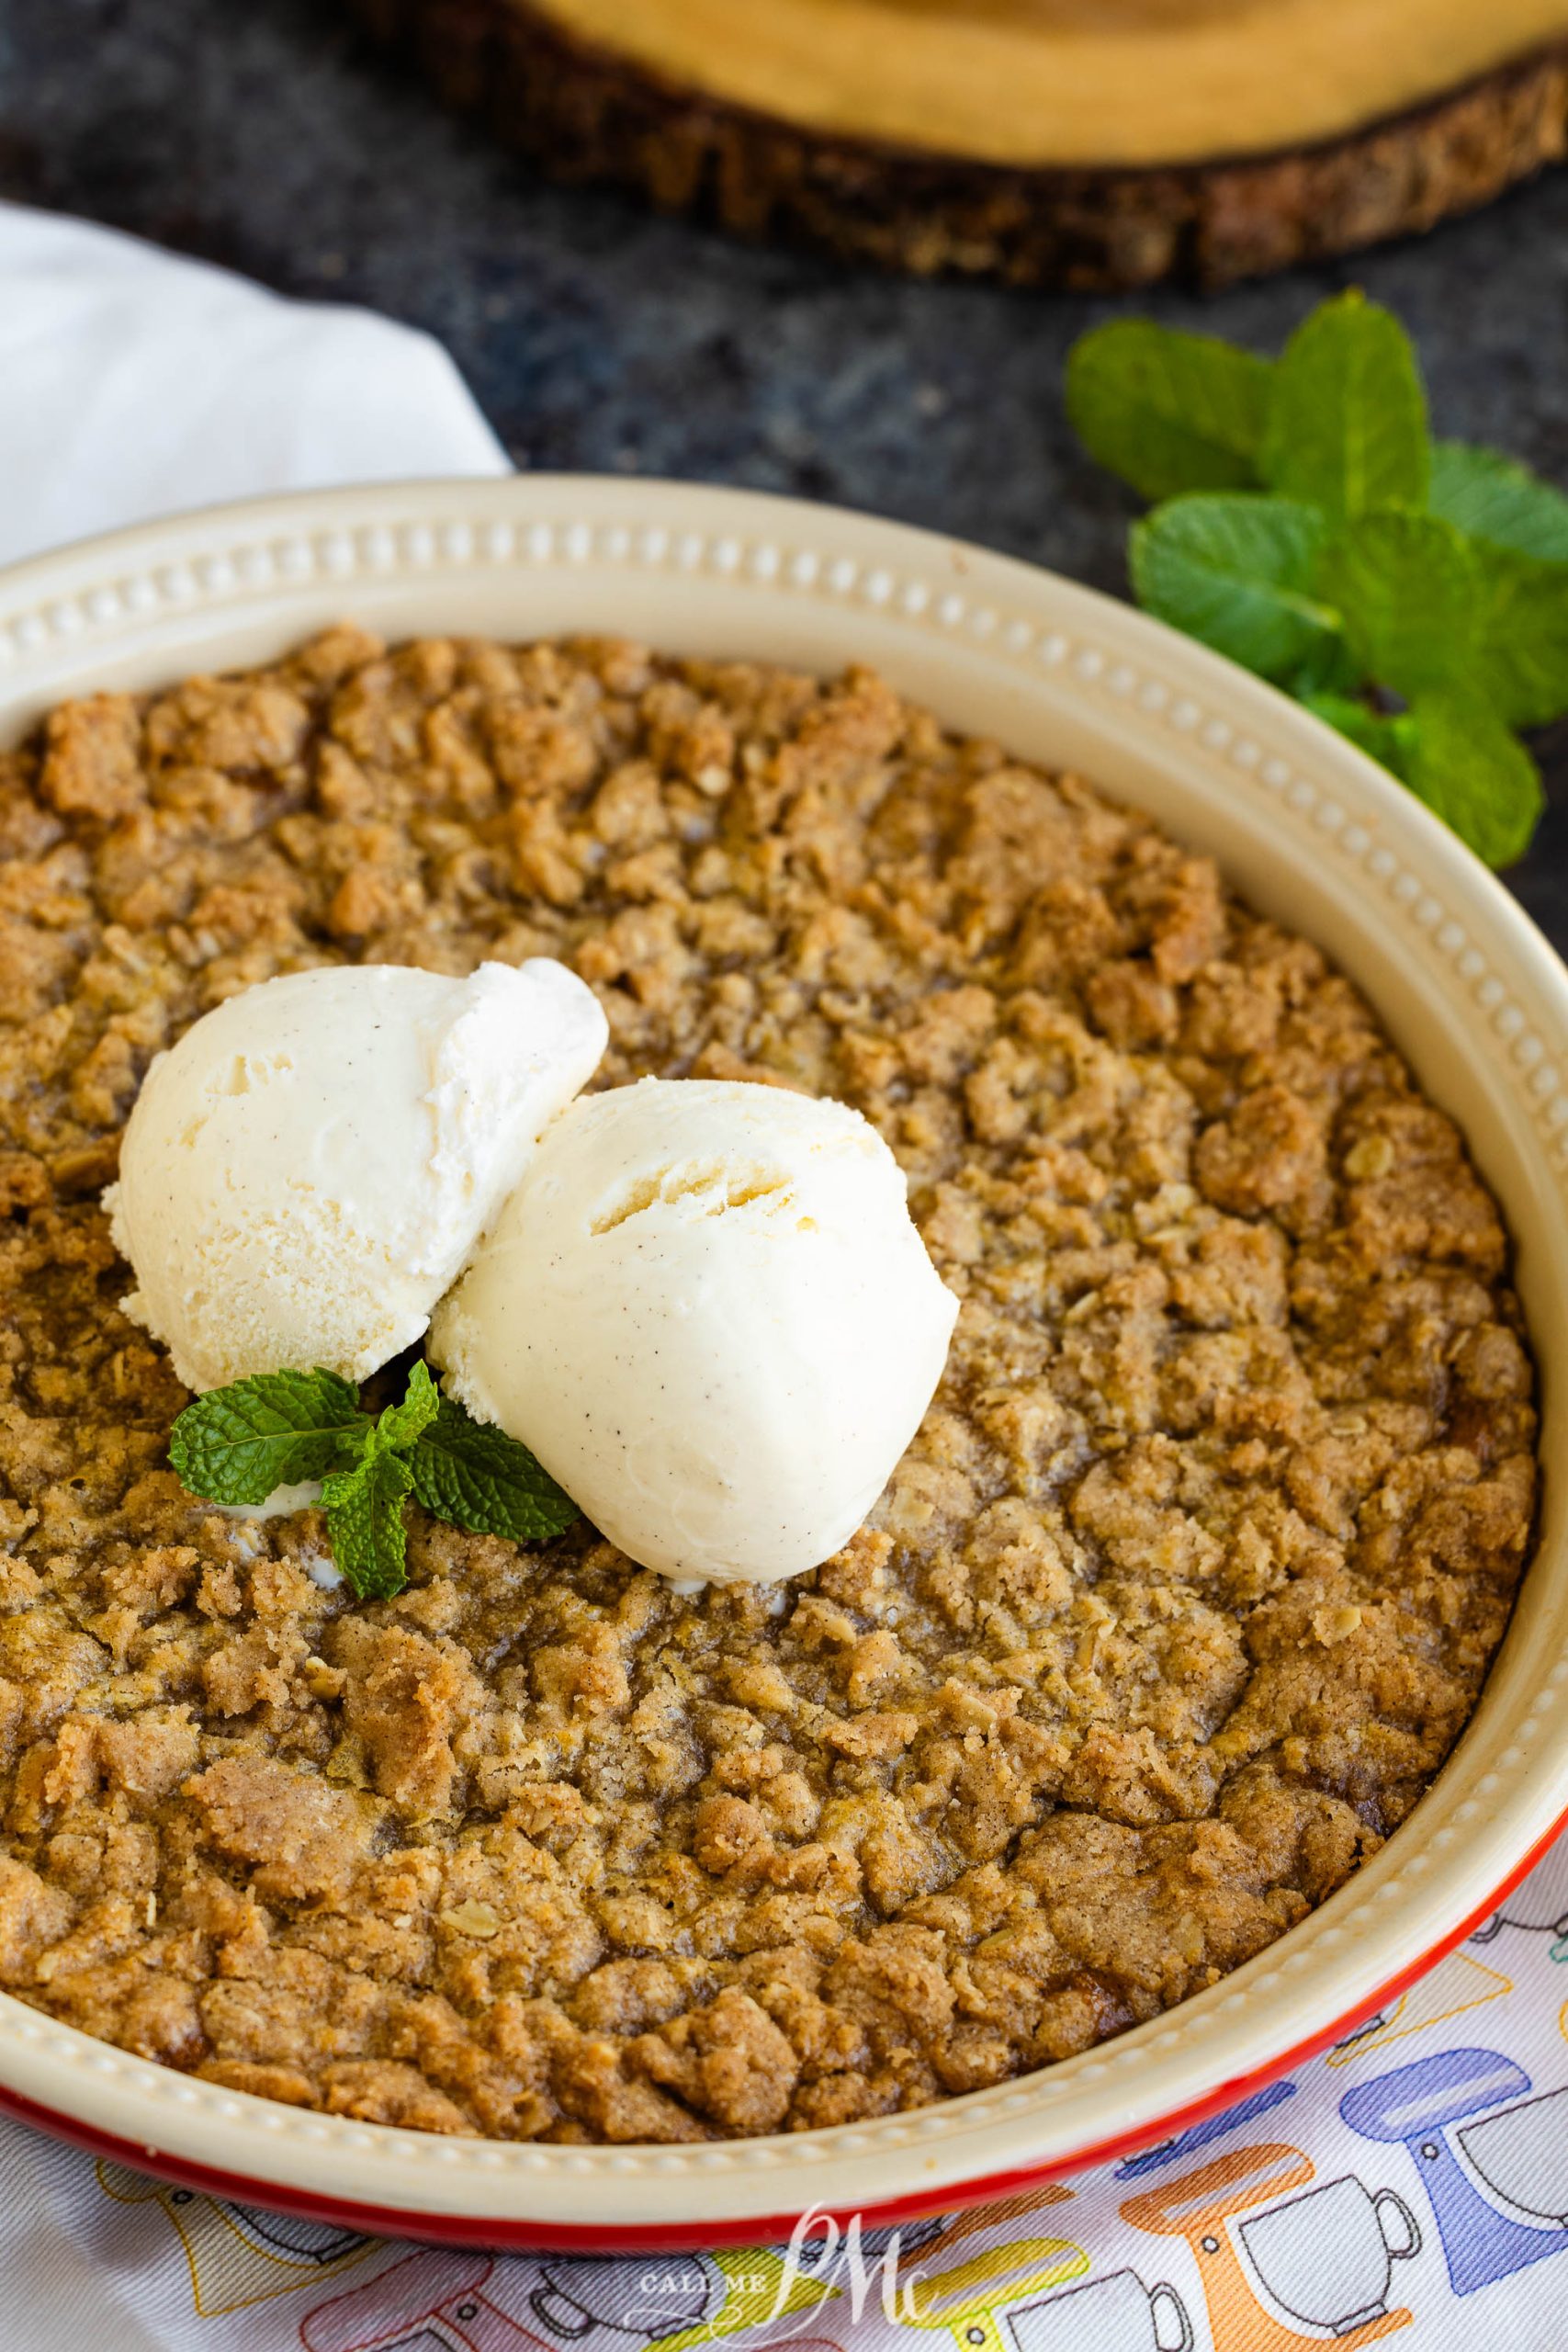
<point x="1087" y="1778"/>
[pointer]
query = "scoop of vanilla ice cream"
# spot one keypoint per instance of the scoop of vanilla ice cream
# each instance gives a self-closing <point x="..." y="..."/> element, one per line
<point x="707" y="1311"/>
<point x="304" y="1173"/>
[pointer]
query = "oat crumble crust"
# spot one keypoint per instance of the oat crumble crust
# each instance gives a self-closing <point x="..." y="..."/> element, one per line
<point x="1172" y="1611"/>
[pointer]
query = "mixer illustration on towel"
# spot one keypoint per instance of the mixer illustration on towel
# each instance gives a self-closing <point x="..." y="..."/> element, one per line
<point x="1493" y="2160"/>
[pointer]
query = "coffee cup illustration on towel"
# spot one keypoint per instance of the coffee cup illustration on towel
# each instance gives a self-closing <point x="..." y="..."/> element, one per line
<point x="1117" y="2313"/>
<point x="1327" y="2256"/>
<point x="1320" y="2256"/>
<point x="578" y="2293"/>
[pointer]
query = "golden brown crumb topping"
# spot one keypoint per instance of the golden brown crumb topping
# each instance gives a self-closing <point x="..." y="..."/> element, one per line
<point x="1172" y="1611"/>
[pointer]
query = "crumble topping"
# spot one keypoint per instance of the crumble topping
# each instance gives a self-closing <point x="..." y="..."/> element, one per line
<point x="1174" y="1606"/>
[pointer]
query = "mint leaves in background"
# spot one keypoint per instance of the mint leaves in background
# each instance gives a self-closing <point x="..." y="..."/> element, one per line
<point x="235" y="1445"/>
<point x="1413" y="594"/>
<point x="1347" y="419"/>
<point x="1167" y="411"/>
<point x="1492" y="498"/>
<point x="1242" y="572"/>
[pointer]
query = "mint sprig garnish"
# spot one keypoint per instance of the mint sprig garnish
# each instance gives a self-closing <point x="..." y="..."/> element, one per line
<point x="401" y="1426"/>
<point x="366" y="1524"/>
<point x="1414" y="593"/>
<point x="280" y="1429"/>
<point x="480" y="1478"/>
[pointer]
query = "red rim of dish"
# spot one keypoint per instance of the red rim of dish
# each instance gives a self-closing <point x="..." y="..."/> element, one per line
<point x="597" y="2238"/>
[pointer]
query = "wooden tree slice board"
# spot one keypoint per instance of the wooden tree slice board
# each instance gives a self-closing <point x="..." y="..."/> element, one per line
<point x="1076" y="142"/>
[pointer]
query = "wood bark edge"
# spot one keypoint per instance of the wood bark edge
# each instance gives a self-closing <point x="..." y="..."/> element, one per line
<point x="583" y="114"/>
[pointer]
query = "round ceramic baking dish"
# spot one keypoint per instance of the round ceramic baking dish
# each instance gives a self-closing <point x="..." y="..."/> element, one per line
<point x="1303" y="825"/>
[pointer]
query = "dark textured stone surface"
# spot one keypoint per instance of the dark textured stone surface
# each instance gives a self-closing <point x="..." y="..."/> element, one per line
<point x="264" y="134"/>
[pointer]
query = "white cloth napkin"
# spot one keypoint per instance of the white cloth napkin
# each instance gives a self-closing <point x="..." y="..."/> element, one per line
<point x="1414" y="2180"/>
<point x="133" y="384"/>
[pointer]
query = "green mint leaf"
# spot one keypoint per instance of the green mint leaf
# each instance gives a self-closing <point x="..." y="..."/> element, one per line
<point x="366" y="1524"/>
<point x="1474" y="775"/>
<point x="1407" y="585"/>
<point x="277" y="1428"/>
<point x="1490" y="497"/>
<point x="1346" y="426"/>
<point x="399" y="1425"/>
<point x="1331" y="670"/>
<point x="480" y="1478"/>
<point x="1240" y="572"/>
<point x="1169" y="412"/>
<point x="1383" y="738"/>
<point x="1520" y="660"/>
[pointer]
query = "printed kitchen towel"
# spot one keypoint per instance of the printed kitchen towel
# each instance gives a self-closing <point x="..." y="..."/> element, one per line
<point x="1411" y="2182"/>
